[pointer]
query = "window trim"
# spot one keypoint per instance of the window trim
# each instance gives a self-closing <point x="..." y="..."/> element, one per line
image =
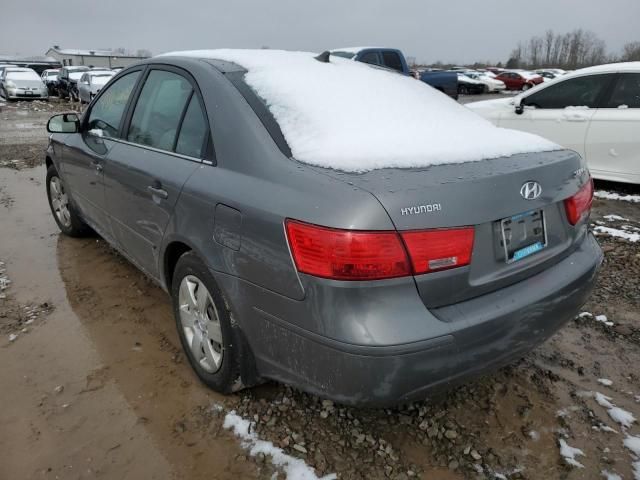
<point x="600" y="100"/>
<point x="208" y="151"/>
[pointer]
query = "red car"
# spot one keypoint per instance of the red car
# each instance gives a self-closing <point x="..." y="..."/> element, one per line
<point x="519" y="80"/>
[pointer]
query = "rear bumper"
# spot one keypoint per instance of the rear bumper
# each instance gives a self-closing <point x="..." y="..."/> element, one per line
<point x="473" y="337"/>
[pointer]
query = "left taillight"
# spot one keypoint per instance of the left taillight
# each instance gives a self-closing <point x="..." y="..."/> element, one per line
<point x="373" y="255"/>
<point x="346" y="254"/>
<point x="579" y="205"/>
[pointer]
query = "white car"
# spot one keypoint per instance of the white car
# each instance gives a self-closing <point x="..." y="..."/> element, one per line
<point x="594" y="111"/>
<point x="91" y="83"/>
<point x="492" y="83"/>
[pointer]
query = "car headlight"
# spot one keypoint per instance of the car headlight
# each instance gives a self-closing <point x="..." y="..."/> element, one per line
<point x="11" y="85"/>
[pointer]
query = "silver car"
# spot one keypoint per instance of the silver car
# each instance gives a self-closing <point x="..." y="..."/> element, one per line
<point x="22" y="83"/>
<point x="91" y="83"/>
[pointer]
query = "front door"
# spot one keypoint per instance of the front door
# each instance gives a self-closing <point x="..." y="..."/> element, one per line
<point x="560" y="112"/>
<point x="85" y="154"/>
<point x="163" y="145"/>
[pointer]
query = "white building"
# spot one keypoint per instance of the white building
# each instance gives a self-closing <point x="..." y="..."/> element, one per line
<point x="91" y="58"/>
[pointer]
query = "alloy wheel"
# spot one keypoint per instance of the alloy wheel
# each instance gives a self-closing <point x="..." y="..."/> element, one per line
<point x="201" y="324"/>
<point x="59" y="201"/>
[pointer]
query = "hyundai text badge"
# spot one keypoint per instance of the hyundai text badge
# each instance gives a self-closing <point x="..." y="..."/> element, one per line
<point x="530" y="190"/>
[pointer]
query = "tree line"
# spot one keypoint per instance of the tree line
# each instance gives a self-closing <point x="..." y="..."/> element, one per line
<point x="576" y="49"/>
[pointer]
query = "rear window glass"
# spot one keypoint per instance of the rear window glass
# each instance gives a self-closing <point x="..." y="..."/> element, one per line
<point x="627" y="92"/>
<point x="157" y="114"/>
<point x="392" y="60"/>
<point x="576" y="92"/>
<point x="193" y="130"/>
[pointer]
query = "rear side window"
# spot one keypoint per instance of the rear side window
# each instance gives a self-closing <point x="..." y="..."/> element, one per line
<point x="160" y="106"/>
<point x="392" y="60"/>
<point x="106" y="113"/>
<point x="371" y="58"/>
<point x="576" y="92"/>
<point x="626" y="93"/>
<point x="193" y="130"/>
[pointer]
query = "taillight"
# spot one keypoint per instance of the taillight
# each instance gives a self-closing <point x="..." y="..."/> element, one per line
<point x="346" y="254"/>
<point x="374" y="255"/>
<point x="441" y="249"/>
<point x="579" y="205"/>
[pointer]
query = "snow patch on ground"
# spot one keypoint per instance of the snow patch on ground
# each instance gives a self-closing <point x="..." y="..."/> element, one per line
<point x="616" y="196"/>
<point x="603" y="319"/>
<point x="347" y="116"/>
<point x="619" y="415"/>
<point x="613" y="218"/>
<point x="4" y="280"/>
<point x="605" y="381"/>
<point x="610" y="476"/>
<point x="617" y="233"/>
<point x="570" y="453"/>
<point x="633" y="444"/>
<point x="294" y="468"/>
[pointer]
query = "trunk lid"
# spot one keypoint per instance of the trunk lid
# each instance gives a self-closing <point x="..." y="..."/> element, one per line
<point x="483" y="194"/>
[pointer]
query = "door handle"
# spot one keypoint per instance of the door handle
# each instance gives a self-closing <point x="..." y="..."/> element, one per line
<point x="158" y="192"/>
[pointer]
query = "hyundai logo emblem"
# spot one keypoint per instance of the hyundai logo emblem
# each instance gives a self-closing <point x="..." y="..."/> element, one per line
<point x="530" y="190"/>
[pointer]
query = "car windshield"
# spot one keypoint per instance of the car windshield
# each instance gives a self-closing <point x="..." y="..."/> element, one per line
<point x="22" y="75"/>
<point x="344" y="54"/>
<point x="75" y="75"/>
<point x="101" y="78"/>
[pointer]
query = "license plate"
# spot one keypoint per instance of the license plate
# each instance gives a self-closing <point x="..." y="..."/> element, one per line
<point x="523" y="235"/>
<point x="27" y="92"/>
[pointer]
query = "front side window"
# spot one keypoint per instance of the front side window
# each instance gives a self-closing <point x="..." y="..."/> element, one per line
<point x="626" y="93"/>
<point x="392" y="60"/>
<point x="371" y="58"/>
<point x="106" y="113"/>
<point x="576" y="92"/>
<point x="193" y="130"/>
<point x="159" y="109"/>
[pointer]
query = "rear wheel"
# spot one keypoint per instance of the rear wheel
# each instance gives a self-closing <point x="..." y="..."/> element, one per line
<point x="214" y="348"/>
<point x="64" y="213"/>
<point x="526" y="86"/>
<point x="463" y="90"/>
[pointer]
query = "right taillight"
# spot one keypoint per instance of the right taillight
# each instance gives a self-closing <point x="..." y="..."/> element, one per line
<point x="373" y="255"/>
<point x="579" y="205"/>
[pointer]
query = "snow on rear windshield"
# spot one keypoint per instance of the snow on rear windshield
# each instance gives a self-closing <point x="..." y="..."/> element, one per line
<point x="22" y="76"/>
<point x="348" y="116"/>
<point x="101" y="79"/>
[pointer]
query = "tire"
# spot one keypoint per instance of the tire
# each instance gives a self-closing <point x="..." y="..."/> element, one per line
<point x="214" y="346"/>
<point x="485" y="89"/>
<point x="463" y="90"/>
<point x="526" y="87"/>
<point x="63" y="211"/>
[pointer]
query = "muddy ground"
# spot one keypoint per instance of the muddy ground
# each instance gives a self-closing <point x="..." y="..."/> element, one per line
<point x="94" y="383"/>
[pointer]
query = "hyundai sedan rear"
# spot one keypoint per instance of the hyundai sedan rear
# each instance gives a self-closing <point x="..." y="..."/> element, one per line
<point x="342" y="229"/>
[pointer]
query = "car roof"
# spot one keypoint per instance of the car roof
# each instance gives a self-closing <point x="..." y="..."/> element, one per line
<point x="608" y="68"/>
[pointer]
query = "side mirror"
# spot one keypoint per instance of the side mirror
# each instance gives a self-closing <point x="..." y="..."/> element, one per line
<point x="520" y="108"/>
<point x="64" y="123"/>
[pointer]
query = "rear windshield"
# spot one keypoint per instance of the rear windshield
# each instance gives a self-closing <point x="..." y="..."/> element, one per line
<point x="101" y="79"/>
<point x="75" y="75"/>
<point x="22" y="76"/>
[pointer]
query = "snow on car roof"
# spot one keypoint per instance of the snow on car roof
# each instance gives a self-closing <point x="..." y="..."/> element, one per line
<point x="348" y="116"/>
<point x="608" y="67"/>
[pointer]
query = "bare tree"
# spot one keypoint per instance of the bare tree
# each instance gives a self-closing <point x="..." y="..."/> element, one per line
<point x="631" y="52"/>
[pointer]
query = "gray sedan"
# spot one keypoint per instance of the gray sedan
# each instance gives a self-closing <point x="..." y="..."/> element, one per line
<point x="22" y="83"/>
<point x="309" y="233"/>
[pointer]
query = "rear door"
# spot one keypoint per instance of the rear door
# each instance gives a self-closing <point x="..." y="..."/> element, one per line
<point x="164" y="140"/>
<point x="562" y="111"/>
<point x="613" y="140"/>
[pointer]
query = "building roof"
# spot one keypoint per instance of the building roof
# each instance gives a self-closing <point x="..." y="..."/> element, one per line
<point x="27" y="59"/>
<point x="90" y="53"/>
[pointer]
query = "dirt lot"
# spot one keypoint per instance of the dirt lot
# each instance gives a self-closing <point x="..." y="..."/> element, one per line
<point x="94" y="383"/>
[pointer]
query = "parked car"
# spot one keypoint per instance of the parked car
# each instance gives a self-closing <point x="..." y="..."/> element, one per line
<point x="68" y="79"/>
<point x="393" y="59"/>
<point x="22" y="83"/>
<point x="50" y="79"/>
<point x="519" y="80"/>
<point x="91" y="83"/>
<point x="491" y="84"/>
<point x="327" y="225"/>
<point x="467" y="85"/>
<point x="594" y="111"/>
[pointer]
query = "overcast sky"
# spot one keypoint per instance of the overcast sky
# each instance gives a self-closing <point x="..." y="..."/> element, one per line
<point x="457" y="31"/>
